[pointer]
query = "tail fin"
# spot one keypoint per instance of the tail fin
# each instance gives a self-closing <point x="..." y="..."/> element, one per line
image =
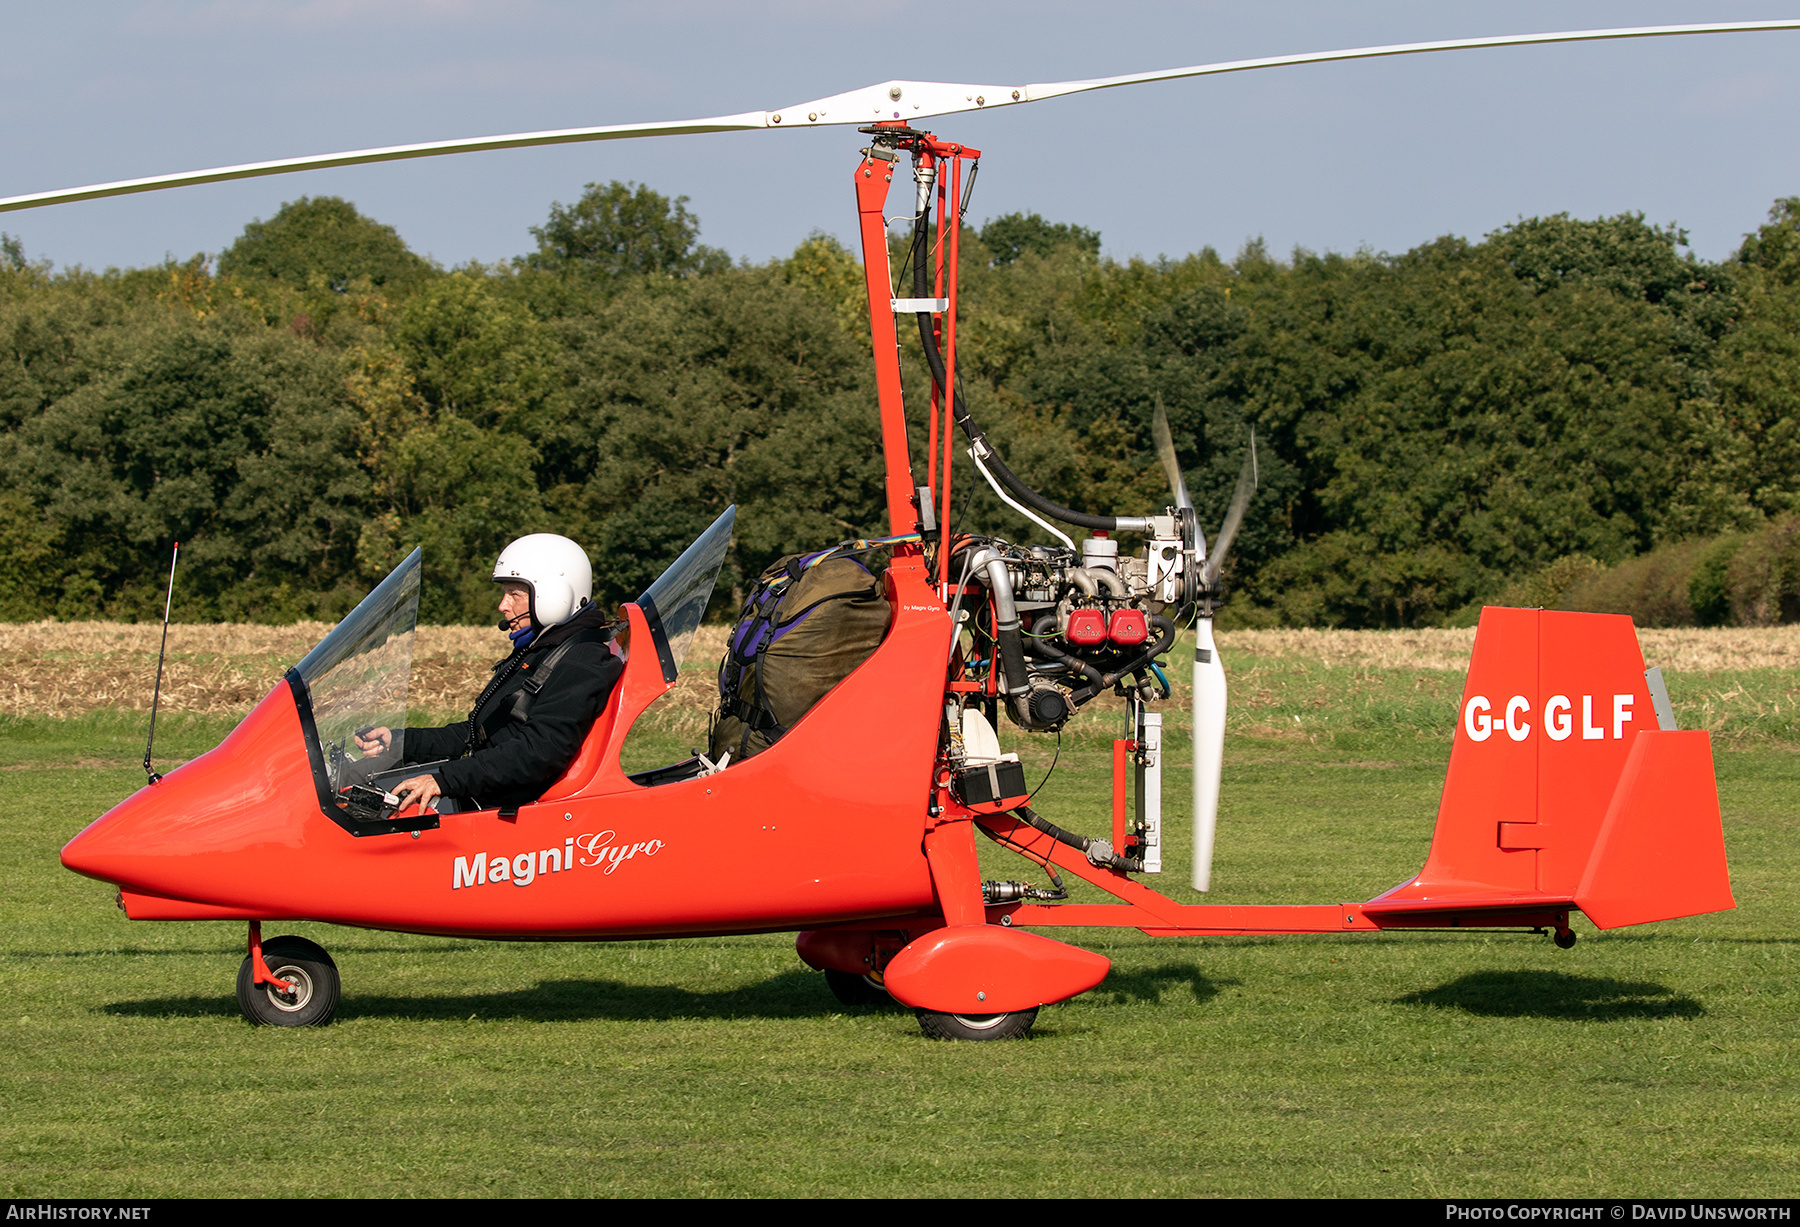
<point x="1563" y="791"/>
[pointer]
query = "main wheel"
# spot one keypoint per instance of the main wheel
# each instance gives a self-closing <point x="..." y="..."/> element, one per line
<point x="855" y="990"/>
<point x="976" y="1026"/>
<point x="314" y="997"/>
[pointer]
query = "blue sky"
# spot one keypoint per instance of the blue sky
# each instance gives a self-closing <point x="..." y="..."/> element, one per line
<point x="1380" y="155"/>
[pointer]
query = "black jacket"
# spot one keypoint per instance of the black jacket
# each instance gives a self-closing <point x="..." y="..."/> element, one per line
<point x="530" y="725"/>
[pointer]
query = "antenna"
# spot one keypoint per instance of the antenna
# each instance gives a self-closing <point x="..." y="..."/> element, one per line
<point x="156" y="694"/>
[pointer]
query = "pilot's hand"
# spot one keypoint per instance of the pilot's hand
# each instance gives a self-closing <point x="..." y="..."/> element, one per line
<point x="374" y="741"/>
<point x="421" y="790"/>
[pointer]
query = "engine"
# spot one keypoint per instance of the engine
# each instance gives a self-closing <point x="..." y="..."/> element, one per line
<point x="1053" y="628"/>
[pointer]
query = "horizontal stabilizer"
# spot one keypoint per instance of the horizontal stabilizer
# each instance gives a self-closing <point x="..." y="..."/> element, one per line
<point x="1661" y="851"/>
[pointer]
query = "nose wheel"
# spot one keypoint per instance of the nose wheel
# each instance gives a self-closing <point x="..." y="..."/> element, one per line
<point x="976" y="1026"/>
<point x="295" y="986"/>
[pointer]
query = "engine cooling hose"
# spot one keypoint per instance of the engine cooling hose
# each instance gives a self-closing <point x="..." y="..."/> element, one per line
<point x="1098" y="852"/>
<point x="1032" y="818"/>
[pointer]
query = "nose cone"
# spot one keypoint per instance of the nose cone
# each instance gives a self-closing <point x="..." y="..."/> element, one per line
<point x="196" y="833"/>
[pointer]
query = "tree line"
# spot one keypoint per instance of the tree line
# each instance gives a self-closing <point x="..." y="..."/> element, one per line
<point x="1565" y="412"/>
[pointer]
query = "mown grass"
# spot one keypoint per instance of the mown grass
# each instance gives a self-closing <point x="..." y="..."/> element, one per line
<point x="1650" y="1061"/>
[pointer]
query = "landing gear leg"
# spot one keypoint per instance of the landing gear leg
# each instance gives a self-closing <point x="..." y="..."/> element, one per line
<point x="286" y="982"/>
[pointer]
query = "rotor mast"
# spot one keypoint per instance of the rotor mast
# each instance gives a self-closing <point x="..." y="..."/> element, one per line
<point x="874" y="178"/>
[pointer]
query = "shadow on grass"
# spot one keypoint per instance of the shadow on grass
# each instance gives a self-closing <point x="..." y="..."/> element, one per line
<point x="1552" y="994"/>
<point x="1149" y="984"/>
<point x="793" y="994"/>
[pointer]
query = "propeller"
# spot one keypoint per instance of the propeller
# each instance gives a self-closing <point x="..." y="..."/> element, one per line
<point x="1247" y="481"/>
<point x="1165" y="451"/>
<point x="886" y="102"/>
<point x="1209" y="672"/>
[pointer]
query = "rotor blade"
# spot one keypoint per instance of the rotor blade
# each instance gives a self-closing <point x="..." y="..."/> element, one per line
<point x="1034" y="93"/>
<point x="888" y="101"/>
<point x="390" y="153"/>
<point x="1165" y="450"/>
<point x="908" y="100"/>
<point x="1247" y="481"/>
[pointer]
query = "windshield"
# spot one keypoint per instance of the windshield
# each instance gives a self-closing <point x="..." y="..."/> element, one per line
<point x="357" y="676"/>
<point x="676" y="602"/>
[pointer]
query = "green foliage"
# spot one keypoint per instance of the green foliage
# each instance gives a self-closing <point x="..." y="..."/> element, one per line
<point x="1470" y="423"/>
<point x="1618" y="254"/>
<point x="1655" y="589"/>
<point x="1010" y="236"/>
<point x="27" y="559"/>
<point x="620" y="231"/>
<point x="472" y="352"/>
<point x="1709" y="585"/>
<point x="1756" y="374"/>
<point x="159" y="425"/>
<point x="1334" y="580"/>
<point x="325" y="239"/>
<point x="1764" y="575"/>
<point x="1775" y="247"/>
<point x="688" y="396"/>
<point x="1736" y="578"/>
<point x="461" y="493"/>
<point x="825" y="267"/>
<point x="1462" y="423"/>
<point x="1547" y="588"/>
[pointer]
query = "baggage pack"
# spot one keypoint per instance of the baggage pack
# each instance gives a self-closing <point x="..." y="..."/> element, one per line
<point x="810" y="620"/>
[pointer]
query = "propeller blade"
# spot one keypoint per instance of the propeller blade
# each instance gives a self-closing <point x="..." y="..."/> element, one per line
<point x="1209" y="748"/>
<point x="890" y="100"/>
<point x="1165" y="451"/>
<point x="1248" y="479"/>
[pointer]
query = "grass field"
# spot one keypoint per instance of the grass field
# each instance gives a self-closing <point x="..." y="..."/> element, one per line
<point x="1650" y="1061"/>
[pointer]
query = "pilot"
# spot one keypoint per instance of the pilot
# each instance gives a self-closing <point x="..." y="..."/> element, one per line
<point x="535" y="712"/>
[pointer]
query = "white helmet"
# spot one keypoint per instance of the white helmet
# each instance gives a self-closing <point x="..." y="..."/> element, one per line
<point x="555" y="569"/>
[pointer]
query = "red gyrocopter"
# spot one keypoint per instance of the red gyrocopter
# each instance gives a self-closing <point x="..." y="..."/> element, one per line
<point x="1569" y="786"/>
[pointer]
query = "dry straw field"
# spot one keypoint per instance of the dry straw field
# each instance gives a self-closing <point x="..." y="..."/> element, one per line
<point x="62" y="669"/>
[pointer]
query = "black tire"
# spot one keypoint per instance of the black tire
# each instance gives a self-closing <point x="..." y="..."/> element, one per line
<point x="855" y="990"/>
<point x="1564" y="938"/>
<point x="977" y="1026"/>
<point x="315" y="997"/>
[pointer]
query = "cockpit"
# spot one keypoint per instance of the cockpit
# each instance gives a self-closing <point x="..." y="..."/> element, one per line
<point x="357" y="677"/>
